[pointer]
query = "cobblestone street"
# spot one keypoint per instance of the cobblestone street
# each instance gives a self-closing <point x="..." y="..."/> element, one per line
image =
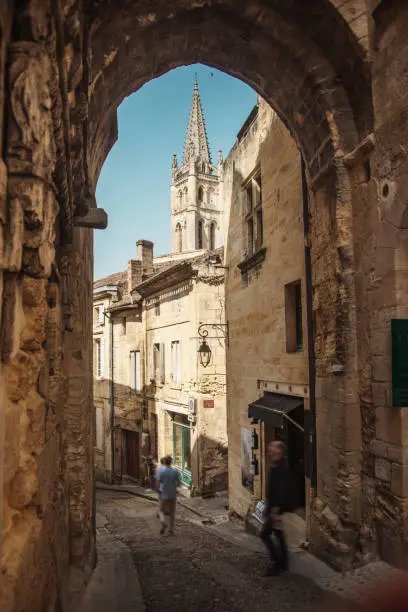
<point x="193" y="570"/>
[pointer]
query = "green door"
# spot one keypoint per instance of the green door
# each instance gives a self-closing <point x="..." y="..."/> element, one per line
<point x="182" y="449"/>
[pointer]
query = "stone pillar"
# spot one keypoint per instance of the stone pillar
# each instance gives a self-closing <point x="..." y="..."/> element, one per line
<point x="335" y="519"/>
<point x="35" y="519"/>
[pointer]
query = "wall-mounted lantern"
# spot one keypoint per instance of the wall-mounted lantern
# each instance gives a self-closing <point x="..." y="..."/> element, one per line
<point x="204" y="349"/>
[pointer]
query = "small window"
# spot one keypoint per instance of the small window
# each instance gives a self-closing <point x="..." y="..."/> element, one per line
<point x="200" y="194"/>
<point x="157" y="307"/>
<point x="135" y="371"/>
<point x="157" y="363"/>
<point x="293" y="317"/>
<point x="200" y="231"/>
<point x="99" y="357"/>
<point x="99" y="315"/>
<point x="176" y="365"/>
<point x="212" y="236"/>
<point x="123" y="326"/>
<point x="254" y="215"/>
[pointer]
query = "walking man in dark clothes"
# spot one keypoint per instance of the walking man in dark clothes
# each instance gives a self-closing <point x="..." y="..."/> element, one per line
<point x="272" y="533"/>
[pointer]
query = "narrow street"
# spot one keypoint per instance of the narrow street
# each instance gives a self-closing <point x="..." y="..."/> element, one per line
<point x="193" y="570"/>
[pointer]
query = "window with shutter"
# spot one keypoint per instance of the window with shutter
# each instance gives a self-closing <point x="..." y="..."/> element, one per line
<point x="102" y="357"/>
<point x="152" y="364"/>
<point x="162" y="364"/>
<point x="138" y="371"/>
<point x="176" y="366"/>
<point x="132" y="372"/>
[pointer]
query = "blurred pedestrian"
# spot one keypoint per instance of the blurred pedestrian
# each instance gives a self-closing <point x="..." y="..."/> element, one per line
<point x="168" y="480"/>
<point x="272" y="534"/>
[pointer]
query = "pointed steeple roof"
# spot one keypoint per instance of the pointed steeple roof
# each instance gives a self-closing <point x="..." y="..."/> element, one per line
<point x="196" y="145"/>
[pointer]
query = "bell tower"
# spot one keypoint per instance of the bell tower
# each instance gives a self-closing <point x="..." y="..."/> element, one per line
<point x="196" y="189"/>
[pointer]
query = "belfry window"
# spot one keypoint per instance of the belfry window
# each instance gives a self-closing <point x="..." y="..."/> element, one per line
<point x="212" y="236"/>
<point x="179" y="238"/>
<point x="200" y="194"/>
<point x="200" y="230"/>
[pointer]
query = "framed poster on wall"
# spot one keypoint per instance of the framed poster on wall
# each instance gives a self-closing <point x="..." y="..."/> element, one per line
<point x="246" y="458"/>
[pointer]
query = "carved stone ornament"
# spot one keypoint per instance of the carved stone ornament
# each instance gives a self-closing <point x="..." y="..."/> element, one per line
<point x="31" y="148"/>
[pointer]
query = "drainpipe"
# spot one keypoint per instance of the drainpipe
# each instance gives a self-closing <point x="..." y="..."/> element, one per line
<point x="112" y="400"/>
<point x="310" y="431"/>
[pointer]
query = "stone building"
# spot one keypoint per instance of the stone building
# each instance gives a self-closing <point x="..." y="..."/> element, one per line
<point x="267" y="360"/>
<point x="152" y="395"/>
<point x="335" y="72"/>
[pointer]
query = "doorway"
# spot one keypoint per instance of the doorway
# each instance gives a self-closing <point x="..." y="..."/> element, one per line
<point x="182" y="447"/>
<point x="293" y="438"/>
<point x="132" y="453"/>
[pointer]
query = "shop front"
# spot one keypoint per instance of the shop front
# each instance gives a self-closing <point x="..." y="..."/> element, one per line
<point x="182" y="447"/>
<point x="280" y="417"/>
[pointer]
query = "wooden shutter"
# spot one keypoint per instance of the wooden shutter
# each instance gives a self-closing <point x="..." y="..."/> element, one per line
<point x="138" y="378"/>
<point x="152" y="372"/>
<point x="178" y="363"/>
<point x="102" y="357"/>
<point x="162" y="364"/>
<point x="132" y="369"/>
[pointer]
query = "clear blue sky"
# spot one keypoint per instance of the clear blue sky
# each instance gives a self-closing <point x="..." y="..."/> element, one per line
<point x="134" y="185"/>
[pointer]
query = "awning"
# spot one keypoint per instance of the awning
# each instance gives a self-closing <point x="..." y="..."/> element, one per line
<point x="272" y="408"/>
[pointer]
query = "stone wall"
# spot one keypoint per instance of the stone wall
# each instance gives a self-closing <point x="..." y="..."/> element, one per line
<point x="47" y="542"/>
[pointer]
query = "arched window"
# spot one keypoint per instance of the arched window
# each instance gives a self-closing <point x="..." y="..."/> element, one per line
<point x="179" y="238"/>
<point x="185" y="196"/>
<point x="200" y="194"/>
<point x="203" y="167"/>
<point x="200" y="228"/>
<point x="212" y="236"/>
<point x="180" y="199"/>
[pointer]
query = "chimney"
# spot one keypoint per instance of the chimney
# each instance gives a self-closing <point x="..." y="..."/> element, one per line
<point x="134" y="273"/>
<point x="145" y="255"/>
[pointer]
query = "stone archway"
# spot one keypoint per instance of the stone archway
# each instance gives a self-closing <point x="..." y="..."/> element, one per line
<point x="66" y="67"/>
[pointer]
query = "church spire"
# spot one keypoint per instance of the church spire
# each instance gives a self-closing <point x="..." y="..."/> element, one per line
<point x="196" y="146"/>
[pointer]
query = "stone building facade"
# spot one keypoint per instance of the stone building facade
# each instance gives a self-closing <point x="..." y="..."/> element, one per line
<point x="152" y="395"/>
<point x="335" y="73"/>
<point x="267" y="360"/>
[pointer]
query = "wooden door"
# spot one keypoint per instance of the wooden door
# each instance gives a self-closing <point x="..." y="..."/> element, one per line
<point x="132" y="449"/>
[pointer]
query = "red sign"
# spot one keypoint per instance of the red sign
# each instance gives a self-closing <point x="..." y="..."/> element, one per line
<point x="208" y="403"/>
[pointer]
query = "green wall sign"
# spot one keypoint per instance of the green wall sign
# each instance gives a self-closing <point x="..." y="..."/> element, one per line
<point x="399" y="334"/>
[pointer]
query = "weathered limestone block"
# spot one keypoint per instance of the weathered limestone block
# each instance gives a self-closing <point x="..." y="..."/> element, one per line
<point x="12" y="317"/>
<point x="30" y="140"/>
<point x="14" y="434"/>
<point x="383" y="469"/>
<point x="24" y="485"/>
<point x="21" y="374"/>
<point x="36" y="414"/>
<point x="14" y="237"/>
<point x="35" y="312"/>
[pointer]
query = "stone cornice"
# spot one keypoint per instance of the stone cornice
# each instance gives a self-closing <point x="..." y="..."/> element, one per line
<point x="165" y="279"/>
<point x="252" y="261"/>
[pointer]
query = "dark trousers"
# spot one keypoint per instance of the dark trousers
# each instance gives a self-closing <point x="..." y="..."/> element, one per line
<point x="275" y="541"/>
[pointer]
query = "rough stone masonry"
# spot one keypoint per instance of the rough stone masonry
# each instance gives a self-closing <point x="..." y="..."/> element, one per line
<point x="337" y="79"/>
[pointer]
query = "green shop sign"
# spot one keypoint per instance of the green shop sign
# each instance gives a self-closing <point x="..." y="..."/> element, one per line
<point x="399" y="334"/>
